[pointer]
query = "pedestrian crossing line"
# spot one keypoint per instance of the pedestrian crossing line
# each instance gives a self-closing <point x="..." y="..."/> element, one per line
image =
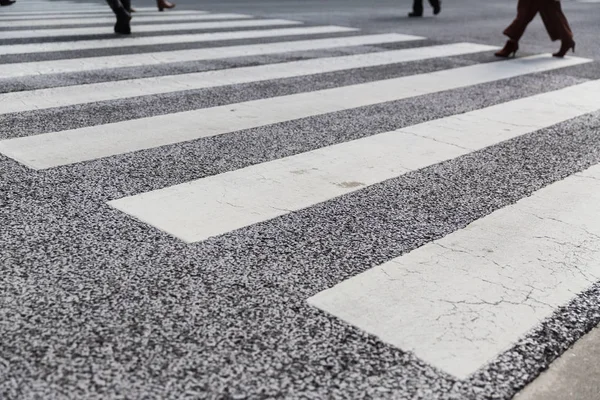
<point x="89" y="93"/>
<point x="211" y="206"/>
<point x="67" y="147"/>
<point x="460" y="301"/>
<point x="99" y="10"/>
<point x="27" y="6"/>
<point x="18" y="10"/>
<point x="170" y="39"/>
<point x="92" y="15"/>
<point x="31" y="3"/>
<point x="211" y="53"/>
<point x="151" y="28"/>
<point x="111" y="19"/>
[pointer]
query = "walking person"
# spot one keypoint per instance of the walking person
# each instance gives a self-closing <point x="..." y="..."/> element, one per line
<point x="418" y="8"/>
<point x="554" y="20"/>
<point x="121" y="9"/>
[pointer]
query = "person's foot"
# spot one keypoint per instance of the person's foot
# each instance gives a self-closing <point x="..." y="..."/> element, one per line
<point x="122" y="26"/>
<point x="414" y="14"/>
<point x="565" y="46"/>
<point x="7" y="2"/>
<point x="510" y="49"/>
<point x="162" y="4"/>
<point x="437" y="7"/>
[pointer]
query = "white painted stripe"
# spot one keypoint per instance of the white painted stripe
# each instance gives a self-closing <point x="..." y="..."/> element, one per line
<point x="212" y="53"/>
<point x="98" y="10"/>
<point x="160" y="40"/>
<point x="91" y="15"/>
<point x="60" y="148"/>
<point x="40" y="10"/>
<point x="215" y="205"/>
<point x="460" y="301"/>
<point x="26" y="5"/>
<point x="89" y="93"/>
<point x="111" y="19"/>
<point x="155" y="28"/>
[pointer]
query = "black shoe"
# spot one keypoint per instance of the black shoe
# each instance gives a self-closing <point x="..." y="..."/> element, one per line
<point x="415" y="14"/>
<point x="122" y="25"/>
<point x="7" y="2"/>
<point x="123" y="28"/>
<point x="437" y="7"/>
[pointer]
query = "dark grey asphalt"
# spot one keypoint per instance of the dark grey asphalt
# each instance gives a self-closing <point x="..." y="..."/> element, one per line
<point x="461" y="20"/>
<point x="95" y="305"/>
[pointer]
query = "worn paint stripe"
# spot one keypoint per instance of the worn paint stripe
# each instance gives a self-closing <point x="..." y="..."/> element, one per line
<point x="95" y="11"/>
<point x="89" y="93"/>
<point x="211" y="53"/>
<point x="111" y="19"/>
<point x="89" y="14"/>
<point x="169" y="39"/>
<point x="460" y="301"/>
<point x="215" y="205"/>
<point x="66" y="147"/>
<point x="150" y="28"/>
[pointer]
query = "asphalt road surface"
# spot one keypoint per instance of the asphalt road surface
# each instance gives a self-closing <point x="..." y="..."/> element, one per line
<point x="293" y="199"/>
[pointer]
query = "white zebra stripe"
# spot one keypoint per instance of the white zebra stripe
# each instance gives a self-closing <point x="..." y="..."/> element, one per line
<point x="91" y="15"/>
<point x="212" y="53"/>
<point x="460" y="301"/>
<point x="169" y="39"/>
<point x="89" y="93"/>
<point x="60" y="148"/>
<point x="152" y="28"/>
<point x="215" y="205"/>
<point x="96" y="10"/>
<point x="111" y="19"/>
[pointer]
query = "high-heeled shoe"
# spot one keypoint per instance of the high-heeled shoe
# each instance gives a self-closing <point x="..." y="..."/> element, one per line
<point x="565" y="46"/>
<point x="510" y="49"/>
<point x="162" y="4"/>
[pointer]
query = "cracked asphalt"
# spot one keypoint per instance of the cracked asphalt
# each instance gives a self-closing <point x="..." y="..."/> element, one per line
<point x="95" y="304"/>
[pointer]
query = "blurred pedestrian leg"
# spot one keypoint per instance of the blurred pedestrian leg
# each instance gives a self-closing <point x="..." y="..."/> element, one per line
<point x="121" y="9"/>
<point x="162" y="4"/>
<point x="418" y="8"/>
<point x="7" y="2"/>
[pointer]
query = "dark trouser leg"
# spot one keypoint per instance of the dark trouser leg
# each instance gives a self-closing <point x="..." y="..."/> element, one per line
<point x="116" y="6"/>
<point x="555" y="21"/>
<point x="418" y="6"/>
<point x="121" y="10"/>
<point x="126" y="4"/>
<point x="526" y="11"/>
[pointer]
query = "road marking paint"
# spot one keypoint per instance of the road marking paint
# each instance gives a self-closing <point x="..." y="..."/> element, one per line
<point x="215" y="205"/>
<point x="211" y="53"/>
<point x="66" y="147"/>
<point x="89" y="93"/>
<point x="459" y="301"/>
<point x="169" y="39"/>
<point x="151" y="28"/>
<point x="166" y="18"/>
<point x="90" y="14"/>
<point x="96" y="10"/>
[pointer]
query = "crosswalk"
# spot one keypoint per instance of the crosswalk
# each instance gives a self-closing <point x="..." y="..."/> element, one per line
<point x="456" y="303"/>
